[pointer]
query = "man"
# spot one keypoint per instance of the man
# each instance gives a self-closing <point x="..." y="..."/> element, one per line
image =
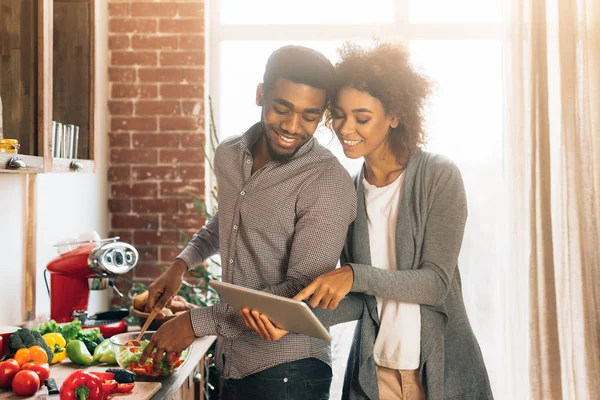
<point x="285" y="204"/>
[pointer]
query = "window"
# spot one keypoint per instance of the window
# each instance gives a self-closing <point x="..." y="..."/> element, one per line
<point x="456" y="11"/>
<point x="459" y="45"/>
<point x="307" y="12"/>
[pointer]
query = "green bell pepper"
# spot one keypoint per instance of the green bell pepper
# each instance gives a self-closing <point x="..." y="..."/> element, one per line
<point x="78" y="353"/>
<point x="103" y="353"/>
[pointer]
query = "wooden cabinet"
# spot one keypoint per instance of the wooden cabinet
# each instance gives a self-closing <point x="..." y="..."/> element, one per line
<point x="189" y="382"/>
<point x="190" y="387"/>
<point x="18" y="71"/>
<point x="193" y="386"/>
<point x="73" y="75"/>
<point x="47" y="74"/>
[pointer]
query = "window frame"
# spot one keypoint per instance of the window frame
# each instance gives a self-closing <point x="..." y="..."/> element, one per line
<point x="401" y="29"/>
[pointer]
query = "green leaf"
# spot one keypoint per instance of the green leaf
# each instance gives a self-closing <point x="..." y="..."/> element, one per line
<point x="184" y="238"/>
<point x="214" y="139"/>
<point x="200" y="207"/>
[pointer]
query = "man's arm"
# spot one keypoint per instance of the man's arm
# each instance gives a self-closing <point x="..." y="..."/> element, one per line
<point x="325" y="209"/>
<point x="204" y="244"/>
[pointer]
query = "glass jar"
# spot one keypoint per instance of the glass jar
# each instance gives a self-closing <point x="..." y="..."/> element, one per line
<point x="9" y="146"/>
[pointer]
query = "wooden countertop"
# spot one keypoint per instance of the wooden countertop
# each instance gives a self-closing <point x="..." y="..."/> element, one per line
<point x="145" y="388"/>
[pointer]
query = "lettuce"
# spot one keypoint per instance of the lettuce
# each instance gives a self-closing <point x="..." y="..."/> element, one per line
<point x="91" y="337"/>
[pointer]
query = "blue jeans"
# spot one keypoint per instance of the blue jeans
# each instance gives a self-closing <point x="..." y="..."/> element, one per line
<point x="307" y="379"/>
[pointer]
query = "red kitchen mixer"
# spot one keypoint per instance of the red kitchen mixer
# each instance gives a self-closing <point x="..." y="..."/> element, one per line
<point x="80" y="281"/>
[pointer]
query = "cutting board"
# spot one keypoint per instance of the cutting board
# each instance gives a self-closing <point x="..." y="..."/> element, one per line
<point x="141" y="391"/>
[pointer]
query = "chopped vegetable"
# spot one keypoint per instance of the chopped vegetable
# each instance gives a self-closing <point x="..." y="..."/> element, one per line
<point x="130" y="357"/>
<point x="109" y="386"/>
<point x="82" y="385"/>
<point x="125" y="387"/>
<point x="122" y="375"/>
<point x="57" y="343"/>
<point x="25" y="338"/>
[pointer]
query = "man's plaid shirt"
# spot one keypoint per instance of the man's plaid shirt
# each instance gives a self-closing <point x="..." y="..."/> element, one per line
<point x="276" y="231"/>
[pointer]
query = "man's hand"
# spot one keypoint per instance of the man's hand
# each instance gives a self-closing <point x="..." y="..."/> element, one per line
<point x="262" y="325"/>
<point x="172" y="337"/>
<point x="328" y="289"/>
<point x="166" y="286"/>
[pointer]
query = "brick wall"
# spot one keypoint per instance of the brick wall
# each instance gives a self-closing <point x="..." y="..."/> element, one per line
<point x="156" y="107"/>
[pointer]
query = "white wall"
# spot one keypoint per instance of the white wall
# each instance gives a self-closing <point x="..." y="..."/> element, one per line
<point x="12" y="202"/>
<point x="67" y="204"/>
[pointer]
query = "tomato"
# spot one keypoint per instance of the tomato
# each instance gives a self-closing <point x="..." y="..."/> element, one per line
<point x="8" y="370"/>
<point x="25" y="383"/>
<point x="125" y="387"/>
<point x="43" y="370"/>
<point x="34" y="354"/>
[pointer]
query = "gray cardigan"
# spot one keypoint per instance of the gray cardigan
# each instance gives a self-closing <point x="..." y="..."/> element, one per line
<point x="429" y="233"/>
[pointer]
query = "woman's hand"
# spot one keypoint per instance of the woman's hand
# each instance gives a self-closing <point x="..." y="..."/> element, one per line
<point x="262" y="325"/>
<point x="328" y="289"/>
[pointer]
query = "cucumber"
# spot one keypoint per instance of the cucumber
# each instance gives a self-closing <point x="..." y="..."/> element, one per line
<point x="122" y="375"/>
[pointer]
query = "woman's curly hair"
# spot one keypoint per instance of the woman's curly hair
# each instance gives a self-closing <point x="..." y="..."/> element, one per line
<point x="385" y="72"/>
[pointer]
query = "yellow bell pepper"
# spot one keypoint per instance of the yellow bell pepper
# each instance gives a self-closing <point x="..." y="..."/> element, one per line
<point x="57" y="343"/>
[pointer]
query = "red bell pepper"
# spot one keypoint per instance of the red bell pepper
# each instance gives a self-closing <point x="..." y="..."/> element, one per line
<point x="81" y="385"/>
<point x="125" y="387"/>
<point x="104" y="376"/>
<point x="109" y="387"/>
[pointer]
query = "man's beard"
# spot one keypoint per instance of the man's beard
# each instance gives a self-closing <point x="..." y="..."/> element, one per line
<point x="273" y="153"/>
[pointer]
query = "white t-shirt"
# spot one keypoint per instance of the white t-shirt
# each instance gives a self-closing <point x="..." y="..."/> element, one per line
<point x="398" y="343"/>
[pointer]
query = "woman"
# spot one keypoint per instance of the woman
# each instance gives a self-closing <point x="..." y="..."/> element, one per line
<point x="399" y="273"/>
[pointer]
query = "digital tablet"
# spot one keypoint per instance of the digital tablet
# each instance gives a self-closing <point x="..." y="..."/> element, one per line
<point x="291" y="315"/>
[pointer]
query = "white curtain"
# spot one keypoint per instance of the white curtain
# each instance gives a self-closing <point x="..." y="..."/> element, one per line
<point x="554" y="165"/>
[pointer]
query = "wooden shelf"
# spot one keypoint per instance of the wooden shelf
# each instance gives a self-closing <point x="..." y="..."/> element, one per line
<point x="33" y="164"/>
<point x="69" y="165"/>
<point x="47" y="62"/>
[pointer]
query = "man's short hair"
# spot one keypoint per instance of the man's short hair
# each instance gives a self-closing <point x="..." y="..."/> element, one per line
<point x="300" y="65"/>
